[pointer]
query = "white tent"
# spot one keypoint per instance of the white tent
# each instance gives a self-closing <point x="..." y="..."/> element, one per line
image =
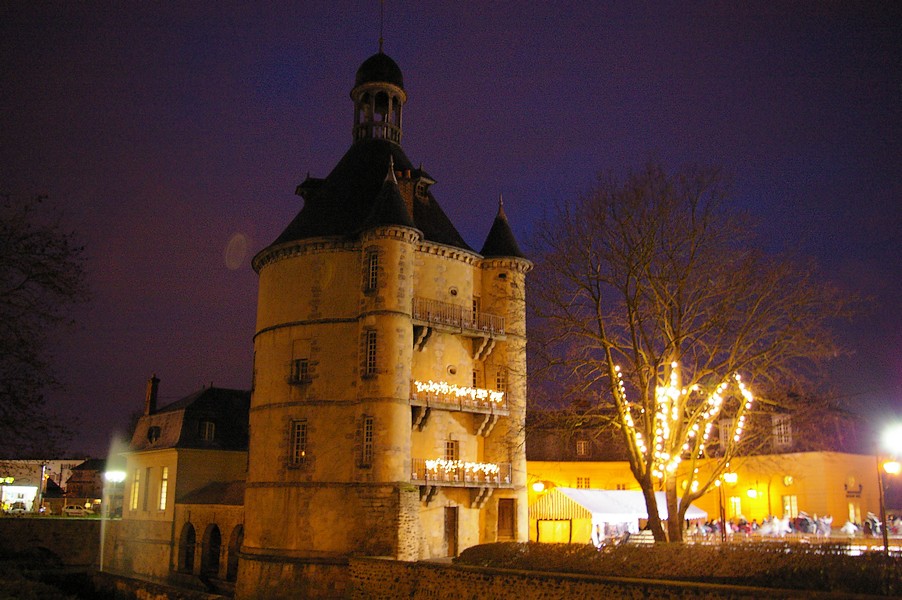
<point x="608" y="506"/>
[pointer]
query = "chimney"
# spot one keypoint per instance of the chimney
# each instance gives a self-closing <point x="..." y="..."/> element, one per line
<point x="150" y="400"/>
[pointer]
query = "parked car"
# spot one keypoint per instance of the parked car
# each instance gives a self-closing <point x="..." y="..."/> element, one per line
<point x="75" y="510"/>
<point x="17" y="508"/>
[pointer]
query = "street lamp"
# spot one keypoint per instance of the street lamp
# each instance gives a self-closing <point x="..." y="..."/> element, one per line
<point x="892" y="443"/>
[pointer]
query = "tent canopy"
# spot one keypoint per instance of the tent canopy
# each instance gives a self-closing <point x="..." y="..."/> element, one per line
<point x="609" y="506"/>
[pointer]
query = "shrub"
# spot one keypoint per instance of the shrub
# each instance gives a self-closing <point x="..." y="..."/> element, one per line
<point x="787" y="565"/>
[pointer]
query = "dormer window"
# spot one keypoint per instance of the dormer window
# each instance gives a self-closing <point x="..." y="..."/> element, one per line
<point x="153" y="434"/>
<point x="207" y="431"/>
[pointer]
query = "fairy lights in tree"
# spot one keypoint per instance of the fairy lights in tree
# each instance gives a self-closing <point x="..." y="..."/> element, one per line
<point x="678" y="430"/>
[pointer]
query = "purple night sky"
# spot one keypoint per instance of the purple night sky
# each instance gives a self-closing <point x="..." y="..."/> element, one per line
<point x="171" y="138"/>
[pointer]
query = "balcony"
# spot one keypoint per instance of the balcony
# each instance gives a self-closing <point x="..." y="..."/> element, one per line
<point x="485" y="405"/>
<point x="481" y="478"/>
<point x="484" y="328"/>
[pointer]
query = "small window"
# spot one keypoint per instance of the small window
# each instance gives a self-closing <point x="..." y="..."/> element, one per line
<point x="153" y="434"/>
<point x="368" y="432"/>
<point x="475" y="378"/>
<point x="735" y="507"/>
<point x="782" y="431"/>
<point x="298" y="442"/>
<point x="452" y="450"/>
<point x="501" y="380"/>
<point x="146" y="497"/>
<point x="370" y="366"/>
<point x="300" y="371"/>
<point x="791" y="506"/>
<point x="164" y="487"/>
<point x="582" y="447"/>
<point x="372" y="270"/>
<point x="207" y="431"/>
<point x="583" y="483"/>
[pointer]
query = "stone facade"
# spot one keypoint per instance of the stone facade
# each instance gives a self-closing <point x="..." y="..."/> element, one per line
<point x="389" y="398"/>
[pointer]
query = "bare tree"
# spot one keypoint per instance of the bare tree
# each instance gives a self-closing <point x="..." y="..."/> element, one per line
<point x="658" y="305"/>
<point x="41" y="275"/>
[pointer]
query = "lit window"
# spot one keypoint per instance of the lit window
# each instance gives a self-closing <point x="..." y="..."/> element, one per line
<point x="146" y="489"/>
<point x="735" y="506"/>
<point x="790" y="506"/>
<point x="583" y="483"/>
<point x="452" y="450"/>
<point x="298" y="448"/>
<point x="372" y="270"/>
<point x="367" y="450"/>
<point x="300" y="370"/>
<point x="207" y="430"/>
<point x="164" y="487"/>
<point x="370" y="368"/>
<point x="782" y="431"/>
<point x="136" y="487"/>
<point x="582" y="447"/>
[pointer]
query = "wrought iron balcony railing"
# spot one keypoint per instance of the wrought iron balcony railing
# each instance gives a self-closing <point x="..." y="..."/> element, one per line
<point x="450" y="315"/>
<point x="451" y="397"/>
<point x="459" y="473"/>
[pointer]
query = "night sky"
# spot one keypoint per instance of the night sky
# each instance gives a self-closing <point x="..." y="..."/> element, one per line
<point x="171" y="138"/>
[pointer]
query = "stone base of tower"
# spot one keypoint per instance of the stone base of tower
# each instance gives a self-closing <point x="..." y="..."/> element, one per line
<point x="280" y="577"/>
<point x="386" y="519"/>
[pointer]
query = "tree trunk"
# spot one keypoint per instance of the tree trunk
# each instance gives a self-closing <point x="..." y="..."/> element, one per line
<point x="674" y="522"/>
<point x="651" y="504"/>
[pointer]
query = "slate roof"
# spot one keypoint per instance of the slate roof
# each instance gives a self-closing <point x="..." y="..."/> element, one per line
<point x="500" y="241"/>
<point x="218" y="492"/>
<point x="180" y="422"/>
<point x="378" y="68"/>
<point x="344" y="203"/>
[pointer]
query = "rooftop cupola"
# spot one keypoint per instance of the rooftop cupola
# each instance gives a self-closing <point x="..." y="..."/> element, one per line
<point x="378" y="96"/>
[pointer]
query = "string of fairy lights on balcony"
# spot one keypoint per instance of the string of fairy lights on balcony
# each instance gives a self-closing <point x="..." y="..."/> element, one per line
<point x="670" y="400"/>
<point x="455" y="466"/>
<point x="443" y="388"/>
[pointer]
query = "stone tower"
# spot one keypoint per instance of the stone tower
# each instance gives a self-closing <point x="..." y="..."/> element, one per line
<point x="387" y="415"/>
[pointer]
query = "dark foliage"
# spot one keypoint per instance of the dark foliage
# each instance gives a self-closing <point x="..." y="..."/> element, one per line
<point x="42" y="275"/>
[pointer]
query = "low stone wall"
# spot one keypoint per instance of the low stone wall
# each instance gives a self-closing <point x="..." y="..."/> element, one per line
<point x="109" y="585"/>
<point x="386" y="579"/>
<point x="74" y="542"/>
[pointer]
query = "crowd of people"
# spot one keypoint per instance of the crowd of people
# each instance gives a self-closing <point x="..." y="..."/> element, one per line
<point x="802" y="524"/>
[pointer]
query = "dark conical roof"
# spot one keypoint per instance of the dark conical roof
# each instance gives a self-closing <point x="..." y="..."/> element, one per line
<point x="379" y="68"/>
<point x="500" y="241"/>
<point x="389" y="207"/>
<point x="345" y="202"/>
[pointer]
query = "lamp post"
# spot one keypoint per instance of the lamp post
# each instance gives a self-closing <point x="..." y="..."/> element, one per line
<point x="892" y="443"/>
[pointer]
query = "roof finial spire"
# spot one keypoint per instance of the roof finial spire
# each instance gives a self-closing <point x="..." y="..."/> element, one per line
<point x="381" y="23"/>
<point x="390" y="176"/>
<point x="501" y="206"/>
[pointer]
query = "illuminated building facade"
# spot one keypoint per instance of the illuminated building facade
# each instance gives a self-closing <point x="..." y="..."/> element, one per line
<point x="387" y="415"/>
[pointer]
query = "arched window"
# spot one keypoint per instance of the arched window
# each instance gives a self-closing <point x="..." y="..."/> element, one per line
<point x="187" y="541"/>
<point x="209" y="564"/>
<point x="235" y="541"/>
